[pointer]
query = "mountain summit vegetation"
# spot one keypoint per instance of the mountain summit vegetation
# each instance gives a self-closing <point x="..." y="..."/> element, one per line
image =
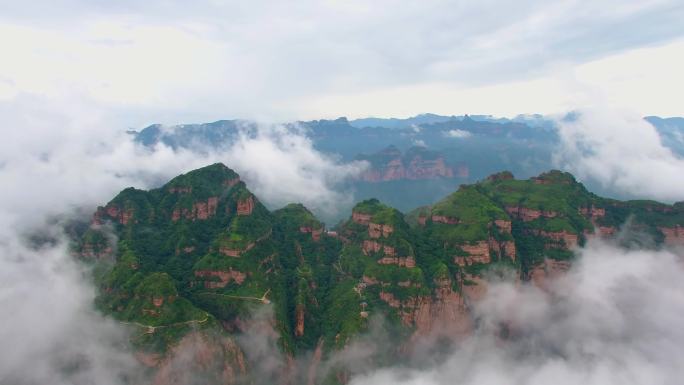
<point x="202" y="262"/>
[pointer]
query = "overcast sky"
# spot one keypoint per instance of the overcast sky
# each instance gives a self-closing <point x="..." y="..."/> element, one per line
<point x="171" y="62"/>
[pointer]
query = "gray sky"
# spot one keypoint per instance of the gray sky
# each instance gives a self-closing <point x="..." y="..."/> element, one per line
<point x="169" y="62"/>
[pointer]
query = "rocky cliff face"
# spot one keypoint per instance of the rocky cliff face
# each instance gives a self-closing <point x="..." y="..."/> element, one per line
<point x="417" y="163"/>
<point x="198" y="256"/>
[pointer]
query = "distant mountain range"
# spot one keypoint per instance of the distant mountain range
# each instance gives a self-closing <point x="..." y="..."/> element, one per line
<point x="406" y="154"/>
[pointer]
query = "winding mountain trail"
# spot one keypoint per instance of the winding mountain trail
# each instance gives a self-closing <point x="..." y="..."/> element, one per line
<point x="151" y="329"/>
<point x="263" y="298"/>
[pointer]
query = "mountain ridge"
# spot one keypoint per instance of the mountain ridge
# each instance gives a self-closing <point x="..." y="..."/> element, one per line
<point x="198" y="255"/>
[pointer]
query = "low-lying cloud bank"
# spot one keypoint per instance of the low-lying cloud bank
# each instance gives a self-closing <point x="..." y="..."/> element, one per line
<point x="622" y="152"/>
<point x="61" y="161"/>
<point x="614" y="318"/>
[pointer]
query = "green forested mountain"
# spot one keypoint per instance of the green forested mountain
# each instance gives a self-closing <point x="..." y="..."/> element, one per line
<point x="194" y="260"/>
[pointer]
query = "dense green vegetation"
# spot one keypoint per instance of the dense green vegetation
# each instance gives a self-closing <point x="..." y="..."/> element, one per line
<point x="185" y="258"/>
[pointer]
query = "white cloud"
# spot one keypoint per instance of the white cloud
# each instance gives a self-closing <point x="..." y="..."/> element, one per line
<point x="226" y="59"/>
<point x="613" y="319"/>
<point x="282" y="166"/>
<point x="456" y="133"/>
<point x="621" y="151"/>
<point x="58" y="156"/>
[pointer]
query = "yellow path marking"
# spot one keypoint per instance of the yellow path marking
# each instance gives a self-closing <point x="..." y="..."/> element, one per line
<point x="151" y="329"/>
<point x="263" y="298"/>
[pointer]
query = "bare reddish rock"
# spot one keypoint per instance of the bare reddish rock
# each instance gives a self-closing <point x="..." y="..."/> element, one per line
<point x="197" y="356"/>
<point x="224" y="277"/>
<point x="315" y="233"/>
<point x="415" y="169"/>
<point x="369" y="247"/>
<point x="112" y="212"/>
<point x="379" y="230"/>
<point x="478" y="253"/>
<point x="389" y="299"/>
<point x="419" y="168"/>
<point x="157" y="301"/>
<point x="201" y="210"/>
<point x="474" y="287"/>
<point x="360" y="218"/>
<point x="569" y="239"/>
<point x="601" y="232"/>
<point x="315" y="362"/>
<point x="445" y="315"/>
<point x="399" y="261"/>
<point x="245" y="206"/>
<point x="509" y="249"/>
<point x="527" y="214"/>
<point x="444" y="219"/>
<point x="422" y="220"/>
<point x="502" y="248"/>
<point x="503" y="225"/>
<point x="593" y="212"/>
<point x="299" y="315"/>
<point x="551" y="269"/>
<point x="674" y="236"/>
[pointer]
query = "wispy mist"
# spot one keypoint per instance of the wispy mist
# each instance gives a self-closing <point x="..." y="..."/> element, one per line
<point x="614" y="318"/>
<point x="622" y="152"/>
<point x="58" y="162"/>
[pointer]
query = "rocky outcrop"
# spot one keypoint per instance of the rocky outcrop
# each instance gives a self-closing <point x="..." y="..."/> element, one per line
<point x="474" y="287"/>
<point x="503" y="248"/>
<point x="215" y="359"/>
<point x="390" y="164"/>
<point x="503" y="225"/>
<point x="600" y="232"/>
<point x="201" y="210"/>
<point x="369" y="247"/>
<point x="562" y="238"/>
<point x="674" y="236"/>
<point x="477" y="253"/>
<point x="550" y="269"/>
<point x="378" y="230"/>
<point x="245" y="206"/>
<point x="483" y="251"/>
<point x="112" y="212"/>
<point x="399" y="261"/>
<point x="443" y="314"/>
<point x="419" y="168"/>
<point x="216" y="279"/>
<point x="299" y="320"/>
<point x="500" y="176"/>
<point x="528" y="214"/>
<point x="444" y="219"/>
<point x="361" y="218"/>
<point x="315" y="233"/>
<point x="593" y="212"/>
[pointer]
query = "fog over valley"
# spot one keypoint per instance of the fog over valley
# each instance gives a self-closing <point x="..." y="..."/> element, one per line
<point x="341" y="193"/>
